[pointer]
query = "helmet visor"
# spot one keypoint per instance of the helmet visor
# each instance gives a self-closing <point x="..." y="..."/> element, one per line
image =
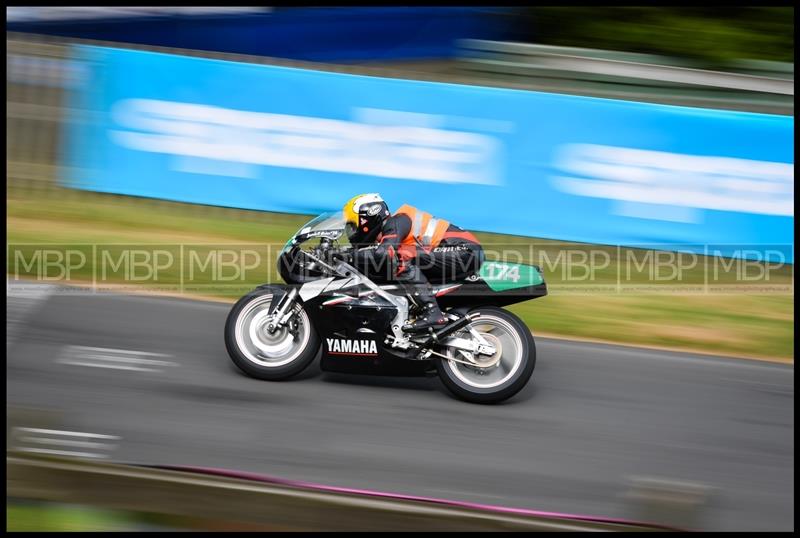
<point x="351" y="231"/>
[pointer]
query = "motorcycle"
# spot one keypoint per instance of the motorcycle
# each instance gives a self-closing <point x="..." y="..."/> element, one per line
<point x="484" y="354"/>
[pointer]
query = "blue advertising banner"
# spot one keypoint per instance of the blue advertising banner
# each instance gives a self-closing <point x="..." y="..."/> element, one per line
<point x="489" y="159"/>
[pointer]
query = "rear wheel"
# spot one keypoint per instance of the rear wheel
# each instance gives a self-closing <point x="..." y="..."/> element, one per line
<point x="283" y="353"/>
<point x="491" y="379"/>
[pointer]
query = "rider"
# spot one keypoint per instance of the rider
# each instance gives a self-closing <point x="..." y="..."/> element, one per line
<point x="408" y="245"/>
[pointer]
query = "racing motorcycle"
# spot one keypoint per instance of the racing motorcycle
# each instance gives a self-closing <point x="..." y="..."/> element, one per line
<point x="484" y="354"/>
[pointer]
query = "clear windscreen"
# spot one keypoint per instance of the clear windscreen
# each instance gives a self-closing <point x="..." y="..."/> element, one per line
<point x="332" y="221"/>
<point x="330" y="225"/>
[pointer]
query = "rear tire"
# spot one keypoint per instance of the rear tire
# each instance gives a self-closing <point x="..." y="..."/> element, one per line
<point x="513" y="370"/>
<point x="257" y="353"/>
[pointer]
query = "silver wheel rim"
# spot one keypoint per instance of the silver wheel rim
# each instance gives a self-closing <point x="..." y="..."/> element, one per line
<point x="505" y="368"/>
<point x="265" y="349"/>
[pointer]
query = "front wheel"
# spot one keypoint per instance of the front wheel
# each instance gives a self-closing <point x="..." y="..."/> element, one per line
<point x="272" y="356"/>
<point x="495" y="378"/>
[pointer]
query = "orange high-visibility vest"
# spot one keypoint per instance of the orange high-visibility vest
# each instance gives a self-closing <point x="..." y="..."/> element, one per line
<point x="425" y="228"/>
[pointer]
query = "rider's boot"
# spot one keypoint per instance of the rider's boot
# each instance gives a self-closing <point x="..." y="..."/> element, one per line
<point x="431" y="315"/>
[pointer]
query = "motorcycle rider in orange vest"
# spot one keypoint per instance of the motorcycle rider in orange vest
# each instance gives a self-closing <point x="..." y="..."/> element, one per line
<point x="409" y="247"/>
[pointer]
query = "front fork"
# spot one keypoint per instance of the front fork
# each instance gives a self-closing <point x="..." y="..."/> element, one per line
<point x="283" y="311"/>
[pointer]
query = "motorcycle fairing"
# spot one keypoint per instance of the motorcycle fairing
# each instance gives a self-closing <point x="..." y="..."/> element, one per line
<point x="353" y="327"/>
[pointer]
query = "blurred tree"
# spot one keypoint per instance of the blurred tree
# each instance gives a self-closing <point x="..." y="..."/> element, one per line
<point x="711" y="35"/>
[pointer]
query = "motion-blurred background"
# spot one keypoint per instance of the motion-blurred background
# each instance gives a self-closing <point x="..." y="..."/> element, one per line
<point x="643" y="156"/>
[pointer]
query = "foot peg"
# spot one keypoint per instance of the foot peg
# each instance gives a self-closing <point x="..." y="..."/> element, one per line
<point x="433" y="319"/>
<point x="425" y="324"/>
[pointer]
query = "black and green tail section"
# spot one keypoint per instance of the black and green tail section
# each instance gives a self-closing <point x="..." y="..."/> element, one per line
<point x="497" y="284"/>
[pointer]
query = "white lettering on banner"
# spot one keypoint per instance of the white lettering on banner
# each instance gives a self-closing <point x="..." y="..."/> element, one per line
<point x="223" y="134"/>
<point x="661" y="179"/>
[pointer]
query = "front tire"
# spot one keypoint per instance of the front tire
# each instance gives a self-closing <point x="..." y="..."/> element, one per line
<point x="512" y="370"/>
<point x="280" y="355"/>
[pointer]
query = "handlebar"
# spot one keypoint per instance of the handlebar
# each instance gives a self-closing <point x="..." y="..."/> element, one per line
<point x="330" y="252"/>
<point x="297" y="266"/>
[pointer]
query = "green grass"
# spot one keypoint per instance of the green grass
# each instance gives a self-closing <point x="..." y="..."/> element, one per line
<point x="33" y="517"/>
<point x="607" y="306"/>
<point x="28" y="515"/>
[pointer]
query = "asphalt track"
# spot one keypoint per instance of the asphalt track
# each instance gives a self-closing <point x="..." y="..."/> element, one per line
<point x="594" y="417"/>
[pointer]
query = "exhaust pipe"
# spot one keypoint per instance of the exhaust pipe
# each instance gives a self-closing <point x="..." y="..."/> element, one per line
<point x="447" y="330"/>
